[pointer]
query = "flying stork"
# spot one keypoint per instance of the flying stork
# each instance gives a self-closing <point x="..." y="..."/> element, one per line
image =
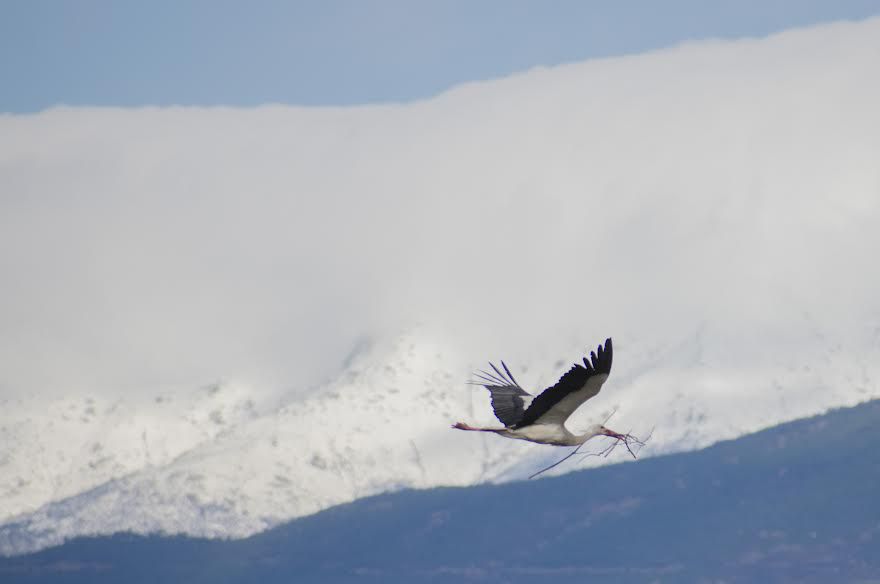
<point x="542" y="419"/>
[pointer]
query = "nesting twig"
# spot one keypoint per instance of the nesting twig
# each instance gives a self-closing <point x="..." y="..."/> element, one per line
<point x="558" y="462"/>
<point x="632" y="443"/>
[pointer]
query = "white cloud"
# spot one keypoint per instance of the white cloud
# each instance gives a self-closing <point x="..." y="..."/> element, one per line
<point x="727" y="185"/>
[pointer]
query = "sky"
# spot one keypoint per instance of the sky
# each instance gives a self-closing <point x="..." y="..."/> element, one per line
<point x="170" y="247"/>
<point x="340" y="52"/>
<point x="723" y="186"/>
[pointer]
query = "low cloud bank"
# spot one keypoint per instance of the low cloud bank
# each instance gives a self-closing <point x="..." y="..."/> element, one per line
<point x="730" y="188"/>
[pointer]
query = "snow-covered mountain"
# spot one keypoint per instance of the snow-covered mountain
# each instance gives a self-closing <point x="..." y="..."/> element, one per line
<point x="713" y="208"/>
<point x="215" y="463"/>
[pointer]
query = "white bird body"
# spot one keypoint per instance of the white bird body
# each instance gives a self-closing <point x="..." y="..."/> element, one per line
<point x="542" y="418"/>
<point x="556" y="434"/>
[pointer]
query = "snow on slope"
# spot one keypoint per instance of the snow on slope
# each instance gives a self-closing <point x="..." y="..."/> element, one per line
<point x="384" y="425"/>
<point x="57" y="450"/>
<point x="713" y="208"/>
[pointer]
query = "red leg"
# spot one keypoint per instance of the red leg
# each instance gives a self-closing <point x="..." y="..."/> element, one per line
<point x="463" y="426"/>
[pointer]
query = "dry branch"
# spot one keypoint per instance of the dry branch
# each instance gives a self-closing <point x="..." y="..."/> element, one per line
<point x="629" y="440"/>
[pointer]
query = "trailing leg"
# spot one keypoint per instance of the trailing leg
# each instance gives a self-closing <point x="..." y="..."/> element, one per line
<point x="463" y="426"/>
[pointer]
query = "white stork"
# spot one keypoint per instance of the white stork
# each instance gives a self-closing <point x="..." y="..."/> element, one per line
<point x="542" y="419"/>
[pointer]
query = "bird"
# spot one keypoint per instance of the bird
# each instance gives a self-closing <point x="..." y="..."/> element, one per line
<point x="541" y="418"/>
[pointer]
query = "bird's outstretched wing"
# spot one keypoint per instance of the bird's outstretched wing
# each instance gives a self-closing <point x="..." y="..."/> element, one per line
<point x="509" y="400"/>
<point x="555" y="404"/>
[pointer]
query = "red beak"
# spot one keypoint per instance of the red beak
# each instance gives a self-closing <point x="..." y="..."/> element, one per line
<point x="611" y="433"/>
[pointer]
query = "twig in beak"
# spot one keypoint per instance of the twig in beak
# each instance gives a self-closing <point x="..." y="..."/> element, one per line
<point x="627" y="439"/>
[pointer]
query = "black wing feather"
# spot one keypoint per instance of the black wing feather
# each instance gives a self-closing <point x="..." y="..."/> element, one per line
<point x="508" y="398"/>
<point x="507" y="403"/>
<point x="575" y="379"/>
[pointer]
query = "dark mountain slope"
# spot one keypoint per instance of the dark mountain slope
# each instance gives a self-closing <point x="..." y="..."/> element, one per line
<point x="796" y="503"/>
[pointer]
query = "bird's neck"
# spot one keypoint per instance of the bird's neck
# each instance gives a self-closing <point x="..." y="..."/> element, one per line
<point x="578" y="439"/>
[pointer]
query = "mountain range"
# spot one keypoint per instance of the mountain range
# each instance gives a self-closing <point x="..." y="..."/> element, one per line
<point x="793" y="503"/>
<point x="217" y="463"/>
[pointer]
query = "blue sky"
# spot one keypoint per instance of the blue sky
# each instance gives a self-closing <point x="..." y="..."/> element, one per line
<point x="339" y="52"/>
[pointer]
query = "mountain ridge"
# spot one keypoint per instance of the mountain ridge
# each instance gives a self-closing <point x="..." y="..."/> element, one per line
<point x="394" y="403"/>
<point x="791" y="503"/>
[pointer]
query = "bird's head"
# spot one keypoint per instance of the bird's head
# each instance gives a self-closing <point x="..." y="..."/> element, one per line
<point x="596" y="430"/>
<point x="601" y="430"/>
